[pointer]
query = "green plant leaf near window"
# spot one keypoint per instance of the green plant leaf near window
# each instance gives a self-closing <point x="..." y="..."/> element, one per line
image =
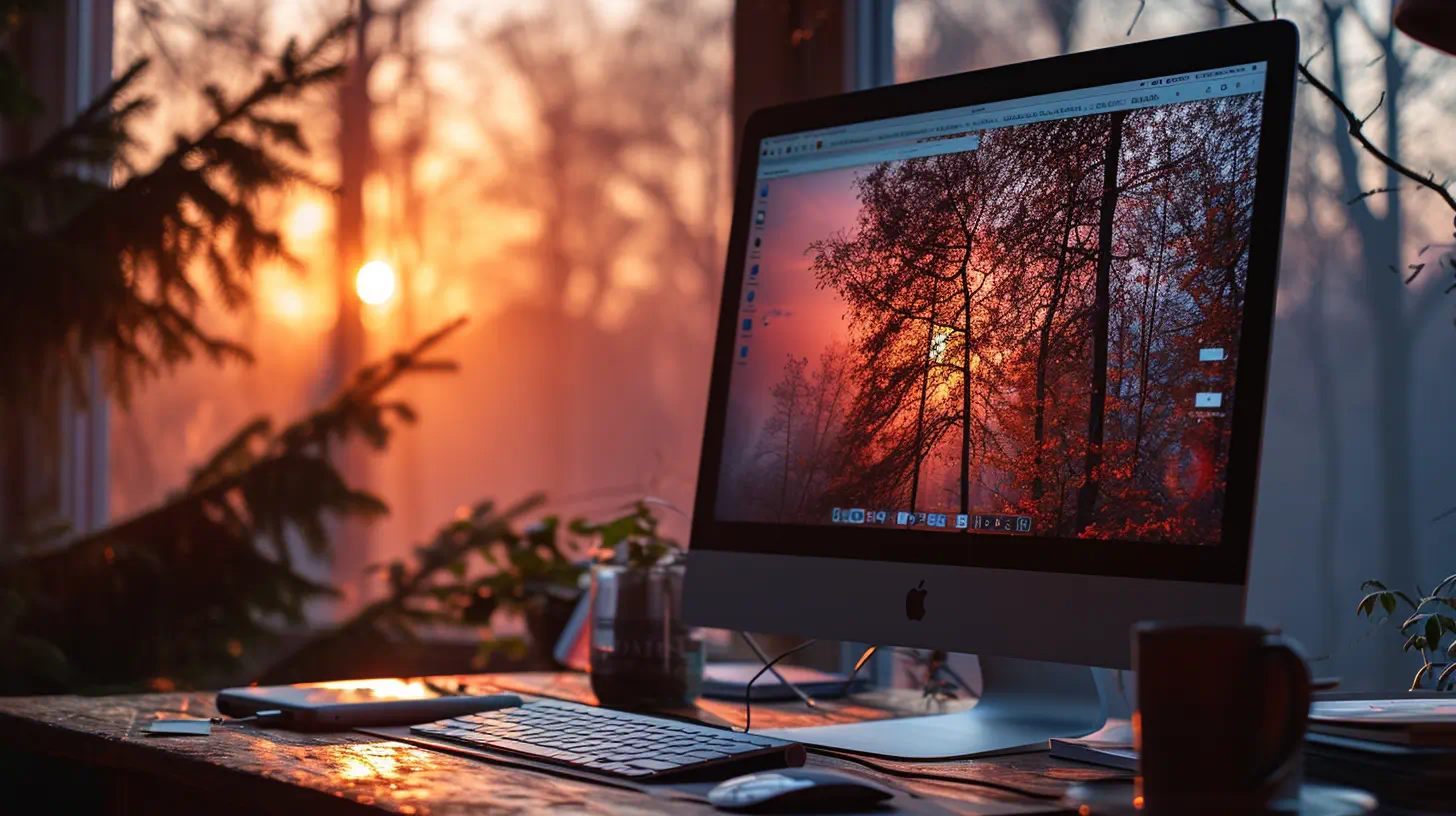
<point x="1424" y="629"/>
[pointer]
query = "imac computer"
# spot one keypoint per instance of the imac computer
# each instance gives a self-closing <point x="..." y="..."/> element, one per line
<point x="990" y="370"/>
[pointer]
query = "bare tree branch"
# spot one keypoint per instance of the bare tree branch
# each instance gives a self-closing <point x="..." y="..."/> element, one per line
<point x="1142" y="4"/>
<point x="1368" y="193"/>
<point x="1356" y="126"/>
<point x="1378" y="103"/>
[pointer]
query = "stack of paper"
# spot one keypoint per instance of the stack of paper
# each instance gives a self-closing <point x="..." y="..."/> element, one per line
<point x="1401" y="750"/>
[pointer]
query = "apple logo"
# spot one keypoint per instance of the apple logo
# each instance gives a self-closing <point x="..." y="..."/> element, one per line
<point x="915" y="602"/>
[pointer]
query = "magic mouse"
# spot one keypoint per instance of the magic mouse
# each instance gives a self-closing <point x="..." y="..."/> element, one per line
<point x="798" y="790"/>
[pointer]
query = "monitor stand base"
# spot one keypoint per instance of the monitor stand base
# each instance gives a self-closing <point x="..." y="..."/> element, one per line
<point x="1023" y="704"/>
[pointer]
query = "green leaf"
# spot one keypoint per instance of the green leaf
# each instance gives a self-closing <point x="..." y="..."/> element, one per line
<point x="1387" y="600"/>
<point x="1372" y="584"/>
<point x="1447" y="622"/>
<point x="1412" y="621"/>
<point x="1433" y="632"/>
<point x="1413" y="642"/>
<point x="1367" y="604"/>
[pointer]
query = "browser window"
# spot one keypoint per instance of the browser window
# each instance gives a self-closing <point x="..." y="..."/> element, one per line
<point x="1019" y="317"/>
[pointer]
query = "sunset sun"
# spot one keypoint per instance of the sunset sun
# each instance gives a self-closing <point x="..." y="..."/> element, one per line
<point x="375" y="283"/>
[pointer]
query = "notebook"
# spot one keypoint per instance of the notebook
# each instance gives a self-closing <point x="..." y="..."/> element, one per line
<point x="1407" y="721"/>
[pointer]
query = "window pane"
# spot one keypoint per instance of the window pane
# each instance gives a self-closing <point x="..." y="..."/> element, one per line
<point x="1355" y="476"/>
<point x="557" y="173"/>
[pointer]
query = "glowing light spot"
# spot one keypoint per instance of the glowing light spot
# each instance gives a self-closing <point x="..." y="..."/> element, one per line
<point x="306" y="221"/>
<point x="1137" y="803"/>
<point x="235" y="648"/>
<point x="289" y="304"/>
<point x="939" y="343"/>
<point x="425" y="281"/>
<point x="1084" y="810"/>
<point x="457" y="300"/>
<point x="375" y="283"/>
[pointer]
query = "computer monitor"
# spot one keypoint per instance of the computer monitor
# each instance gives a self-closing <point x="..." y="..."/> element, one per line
<point x="991" y="362"/>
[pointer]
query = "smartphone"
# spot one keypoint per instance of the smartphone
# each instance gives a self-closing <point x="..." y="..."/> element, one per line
<point x="344" y="704"/>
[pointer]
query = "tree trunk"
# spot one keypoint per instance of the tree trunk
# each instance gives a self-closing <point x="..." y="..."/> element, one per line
<point x="965" y="497"/>
<point x="788" y="446"/>
<point x="1149" y="318"/>
<point x="1101" y="313"/>
<point x="356" y="159"/>
<point x="1038" y="433"/>
<point x="1390" y="320"/>
<point x="924" y="395"/>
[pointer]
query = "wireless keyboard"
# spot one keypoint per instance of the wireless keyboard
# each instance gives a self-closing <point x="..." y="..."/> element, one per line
<point x="616" y="743"/>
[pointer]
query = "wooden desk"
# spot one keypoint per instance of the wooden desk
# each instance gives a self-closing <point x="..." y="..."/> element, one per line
<point x="79" y="754"/>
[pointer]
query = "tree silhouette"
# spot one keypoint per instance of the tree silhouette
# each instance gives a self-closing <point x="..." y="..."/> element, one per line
<point x="778" y="440"/>
<point x="1101" y="312"/>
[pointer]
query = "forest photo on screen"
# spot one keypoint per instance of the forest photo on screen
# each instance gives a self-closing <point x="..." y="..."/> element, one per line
<point x="1046" y="326"/>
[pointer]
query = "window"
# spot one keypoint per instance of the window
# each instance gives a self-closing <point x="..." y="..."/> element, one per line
<point x="55" y="462"/>
<point x="557" y="173"/>
<point x="560" y="173"/>
<point x="1355" y="474"/>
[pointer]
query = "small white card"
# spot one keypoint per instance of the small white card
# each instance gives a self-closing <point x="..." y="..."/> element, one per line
<point x="181" y="728"/>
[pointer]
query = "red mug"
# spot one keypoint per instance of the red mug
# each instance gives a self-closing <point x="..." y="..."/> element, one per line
<point x="1220" y="720"/>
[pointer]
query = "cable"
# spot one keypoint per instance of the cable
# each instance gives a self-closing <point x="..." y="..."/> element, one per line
<point x="270" y="716"/>
<point x="858" y="664"/>
<point x="748" y="690"/>
<point x="763" y="658"/>
<point x="933" y="777"/>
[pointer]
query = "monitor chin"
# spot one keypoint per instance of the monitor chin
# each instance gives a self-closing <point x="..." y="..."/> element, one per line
<point x="1081" y="620"/>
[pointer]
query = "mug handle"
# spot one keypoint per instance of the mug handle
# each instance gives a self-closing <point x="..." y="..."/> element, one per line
<point x="1284" y="659"/>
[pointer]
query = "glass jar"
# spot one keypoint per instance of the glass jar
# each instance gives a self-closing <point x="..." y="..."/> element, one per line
<point x="642" y="653"/>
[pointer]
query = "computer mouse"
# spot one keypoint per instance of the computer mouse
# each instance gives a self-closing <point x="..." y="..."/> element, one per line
<point x="798" y="790"/>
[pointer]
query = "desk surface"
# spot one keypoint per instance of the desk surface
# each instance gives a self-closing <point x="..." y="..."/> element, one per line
<point x="260" y="770"/>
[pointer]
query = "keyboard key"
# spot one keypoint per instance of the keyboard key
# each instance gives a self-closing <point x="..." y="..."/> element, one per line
<point x="653" y="764"/>
<point x="518" y="747"/>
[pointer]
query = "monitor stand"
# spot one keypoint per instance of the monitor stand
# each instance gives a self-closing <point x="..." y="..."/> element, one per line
<point x="1023" y="704"/>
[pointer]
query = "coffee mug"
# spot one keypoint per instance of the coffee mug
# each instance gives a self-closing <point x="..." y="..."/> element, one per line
<point x="1220" y="717"/>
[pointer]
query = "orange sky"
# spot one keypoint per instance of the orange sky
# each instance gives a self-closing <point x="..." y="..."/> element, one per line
<point x="791" y="315"/>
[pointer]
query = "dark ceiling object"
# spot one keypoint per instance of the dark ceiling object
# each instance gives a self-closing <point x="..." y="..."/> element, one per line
<point x="1432" y="22"/>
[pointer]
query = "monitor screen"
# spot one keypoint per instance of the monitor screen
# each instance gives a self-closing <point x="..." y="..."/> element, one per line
<point x="1017" y="318"/>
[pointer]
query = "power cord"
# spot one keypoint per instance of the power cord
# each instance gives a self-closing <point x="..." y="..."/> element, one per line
<point x="748" y="690"/>
<point x="763" y="658"/>
<point x="865" y="761"/>
<point x="271" y="716"/>
<point x="858" y="664"/>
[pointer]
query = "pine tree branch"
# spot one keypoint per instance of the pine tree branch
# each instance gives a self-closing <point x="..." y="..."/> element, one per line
<point x="184" y="589"/>
<point x="353" y="408"/>
<point x="111" y="268"/>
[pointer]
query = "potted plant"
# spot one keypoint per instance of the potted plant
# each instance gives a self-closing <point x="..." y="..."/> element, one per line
<point x="642" y="653"/>
<point x="1431" y="618"/>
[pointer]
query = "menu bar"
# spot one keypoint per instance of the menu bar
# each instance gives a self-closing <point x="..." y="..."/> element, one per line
<point x="953" y="130"/>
